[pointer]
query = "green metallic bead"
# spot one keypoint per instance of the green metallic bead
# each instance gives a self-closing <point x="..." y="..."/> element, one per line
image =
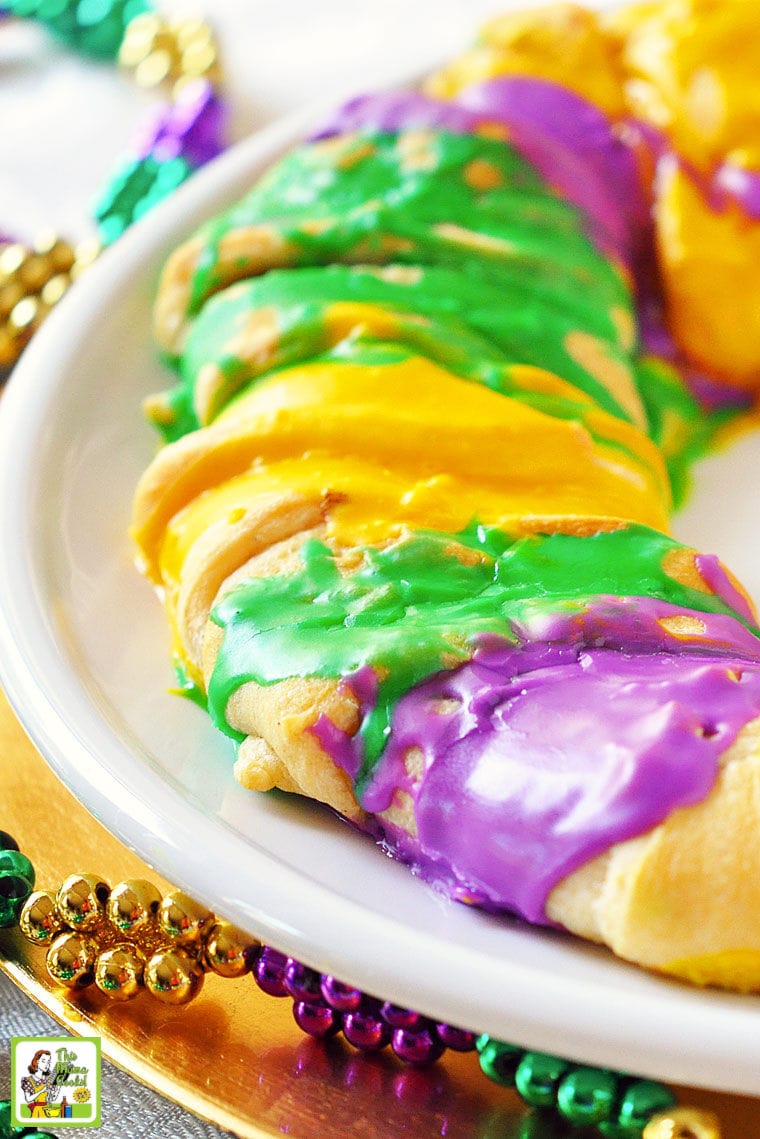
<point x="135" y="187"/>
<point x="16" y="884"/>
<point x="537" y="1077"/>
<point x="94" y="27"/>
<point x="59" y="17"/>
<point x="640" y="1102"/>
<point x="14" y="862"/>
<point x="5" y="1117"/>
<point x="7" y="842"/>
<point x="498" y="1060"/>
<point x="7" y="1129"/>
<point x="23" y="8"/>
<point x="586" y="1096"/>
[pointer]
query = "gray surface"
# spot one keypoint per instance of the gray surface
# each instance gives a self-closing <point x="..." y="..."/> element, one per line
<point x="129" y="1109"/>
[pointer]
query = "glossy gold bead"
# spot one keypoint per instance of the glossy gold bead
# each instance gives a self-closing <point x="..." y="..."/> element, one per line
<point x="85" y="253"/>
<point x="139" y="37"/>
<point x="10" y="295"/>
<point x="119" y="972"/>
<point x="81" y="900"/>
<point x="199" y="60"/>
<point x="39" y="921"/>
<point x="24" y="316"/>
<point x="683" y="1123"/>
<point x="34" y="272"/>
<point x="58" y="254"/>
<point x="173" y="977"/>
<point x="228" y="951"/>
<point x="12" y="258"/>
<point x="53" y="290"/>
<point x="154" y="69"/>
<point x="191" y="31"/>
<point x="182" y="919"/>
<point x="9" y="348"/>
<point x="71" y="960"/>
<point x="132" y="905"/>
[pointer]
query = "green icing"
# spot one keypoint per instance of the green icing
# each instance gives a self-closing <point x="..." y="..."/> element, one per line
<point x="543" y="280"/>
<point x="414" y="608"/>
<point x="186" y="686"/>
<point x="485" y="307"/>
<point x="471" y="322"/>
<point x="683" y="431"/>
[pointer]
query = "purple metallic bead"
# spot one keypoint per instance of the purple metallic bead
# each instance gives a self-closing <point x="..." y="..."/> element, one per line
<point x="317" y="1018"/>
<point x="192" y="127"/>
<point x="458" y="1039"/>
<point x="302" y="983"/>
<point x="364" y="1031"/>
<point x="417" y="1046"/>
<point x="344" y="998"/>
<point x="398" y="1017"/>
<point x="269" y="972"/>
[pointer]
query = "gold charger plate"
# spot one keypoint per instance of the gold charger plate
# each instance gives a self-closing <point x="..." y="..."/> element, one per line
<point x="235" y="1056"/>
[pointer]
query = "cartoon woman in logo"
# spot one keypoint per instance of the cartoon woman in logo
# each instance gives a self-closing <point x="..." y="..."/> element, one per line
<point x="41" y="1088"/>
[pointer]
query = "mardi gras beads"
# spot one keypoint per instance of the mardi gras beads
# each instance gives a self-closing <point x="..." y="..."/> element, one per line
<point x="177" y="138"/>
<point x="131" y="938"/>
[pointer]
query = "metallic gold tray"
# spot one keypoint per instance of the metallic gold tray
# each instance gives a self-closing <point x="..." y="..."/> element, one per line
<point x="235" y="1056"/>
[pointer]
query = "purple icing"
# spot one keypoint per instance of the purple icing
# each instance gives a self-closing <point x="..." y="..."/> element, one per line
<point x="713" y="573"/>
<point x="532" y="804"/>
<point x="657" y="340"/>
<point x="391" y="111"/>
<point x="551" y="153"/>
<point x="346" y="749"/>
<point x="191" y="127"/>
<point x="537" y="109"/>
<point x="507" y="805"/>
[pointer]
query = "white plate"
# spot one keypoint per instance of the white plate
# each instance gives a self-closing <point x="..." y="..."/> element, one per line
<point x="84" y="659"/>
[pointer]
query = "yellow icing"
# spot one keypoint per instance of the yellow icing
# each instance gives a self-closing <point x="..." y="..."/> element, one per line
<point x="737" y="969"/>
<point x="378" y="442"/>
<point x="562" y="43"/>
<point x="709" y="261"/>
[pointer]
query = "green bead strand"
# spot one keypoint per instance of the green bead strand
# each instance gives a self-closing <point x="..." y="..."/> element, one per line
<point x="499" y="1061"/>
<point x="8" y="1131"/>
<point x="586" y="1096"/>
<point x="538" y="1076"/>
<point x="617" y="1106"/>
<point x="137" y="185"/>
<point x="16" y="884"/>
<point x="94" y="27"/>
<point x="640" y="1101"/>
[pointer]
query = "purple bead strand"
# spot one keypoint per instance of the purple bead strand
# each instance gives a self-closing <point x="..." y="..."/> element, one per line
<point x="323" y="1006"/>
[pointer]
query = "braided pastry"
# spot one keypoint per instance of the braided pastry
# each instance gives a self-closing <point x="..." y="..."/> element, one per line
<point x="411" y="519"/>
